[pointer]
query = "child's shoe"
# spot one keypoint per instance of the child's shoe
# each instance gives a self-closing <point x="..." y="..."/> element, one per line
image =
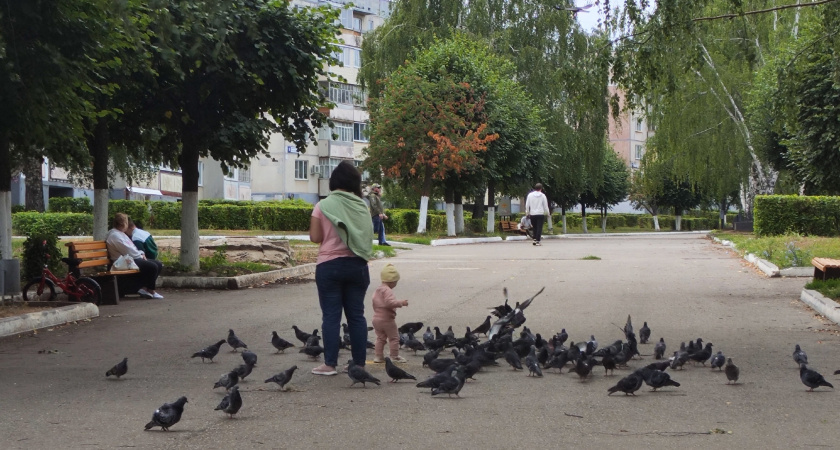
<point x="399" y="359"/>
<point x="378" y="359"/>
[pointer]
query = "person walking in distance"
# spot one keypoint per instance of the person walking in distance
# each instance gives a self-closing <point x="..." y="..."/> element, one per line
<point x="536" y="207"/>
<point x="377" y="213"/>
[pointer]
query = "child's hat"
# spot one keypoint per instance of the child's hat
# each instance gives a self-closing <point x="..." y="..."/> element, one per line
<point x="390" y="274"/>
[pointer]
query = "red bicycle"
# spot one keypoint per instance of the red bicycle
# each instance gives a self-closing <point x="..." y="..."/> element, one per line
<point x="81" y="289"/>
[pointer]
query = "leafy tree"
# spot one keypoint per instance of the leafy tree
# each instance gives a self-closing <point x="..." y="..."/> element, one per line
<point x="614" y="185"/>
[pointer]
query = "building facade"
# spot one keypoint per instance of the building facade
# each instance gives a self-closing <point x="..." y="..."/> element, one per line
<point x="629" y="133"/>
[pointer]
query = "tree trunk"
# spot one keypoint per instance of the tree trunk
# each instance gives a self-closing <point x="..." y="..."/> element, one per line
<point x="459" y="213"/>
<point x="563" y="218"/>
<point x="603" y="220"/>
<point x="34" y="183"/>
<point x="491" y="207"/>
<point x="449" y="199"/>
<point x="5" y="198"/>
<point x="424" y="208"/>
<point x="98" y="147"/>
<point x="548" y="219"/>
<point x="189" y="203"/>
<point x="583" y="218"/>
<point x="656" y="222"/>
<point x="677" y="219"/>
<point x="478" y="205"/>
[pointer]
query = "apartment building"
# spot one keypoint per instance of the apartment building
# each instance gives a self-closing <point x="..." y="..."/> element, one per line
<point x="629" y="134"/>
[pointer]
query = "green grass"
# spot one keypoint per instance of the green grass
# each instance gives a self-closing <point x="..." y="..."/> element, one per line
<point x="388" y="251"/>
<point x="409" y="239"/>
<point x="828" y="288"/>
<point x="591" y="257"/>
<point x="790" y="250"/>
<point x="216" y="264"/>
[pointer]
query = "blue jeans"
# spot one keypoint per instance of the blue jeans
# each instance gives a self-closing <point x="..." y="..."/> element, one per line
<point x="342" y="285"/>
<point x="379" y="229"/>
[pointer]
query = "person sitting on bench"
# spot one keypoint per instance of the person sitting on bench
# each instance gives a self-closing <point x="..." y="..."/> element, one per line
<point x="120" y="244"/>
<point x="525" y="225"/>
<point x="142" y="239"/>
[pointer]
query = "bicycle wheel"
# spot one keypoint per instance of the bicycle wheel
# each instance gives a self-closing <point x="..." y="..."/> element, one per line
<point x="90" y="290"/>
<point x="35" y="291"/>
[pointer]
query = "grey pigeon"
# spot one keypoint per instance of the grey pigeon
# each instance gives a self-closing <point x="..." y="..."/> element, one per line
<point x="410" y="327"/>
<point x="428" y="335"/>
<point x="449" y="332"/>
<point x="435" y="380"/>
<point x="628" y="327"/>
<point x="644" y="334"/>
<point x="227" y="380"/>
<point x="279" y="343"/>
<point x="249" y="357"/>
<point x="658" y="379"/>
<point x="609" y="364"/>
<point x="591" y="345"/>
<point x="732" y="371"/>
<point x="119" y="369"/>
<point x="703" y="355"/>
<point x="483" y="328"/>
<point x="583" y="367"/>
<point x="812" y="378"/>
<point x="314" y="340"/>
<point x="799" y="356"/>
<point x="167" y="415"/>
<point x="313" y="352"/>
<point x="679" y="360"/>
<point x="562" y="337"/>
<point x="453" y="384"/>
<point x="359" y="375"/>
<point x="283" y="377"/>
<point x="209" y="352"/>
<point x="301" y="335"/>
<point x="718" y="361"/>
<point x="430" y="356"/>
<point x="415" y="345"/>
<point x="532" y="363"/>
<point x="244" y="370"/>
<point x="659" y="349"/>
<point x="629" y="384"/>
<point x="231" y="403"/>
<point x="234" y="341"/>
<point x="395" y="373"/>
<point x="512" y="358"/>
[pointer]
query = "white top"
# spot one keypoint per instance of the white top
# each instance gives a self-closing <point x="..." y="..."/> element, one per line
<point x="140" y="235"/>
<point x="119" y="244"/>
<point x="536" y="204"/>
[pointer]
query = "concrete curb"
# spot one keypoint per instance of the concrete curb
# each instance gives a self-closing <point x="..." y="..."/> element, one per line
<point x="545" y="236"/>
<point x="769" y="269"/>
<point x="49" y="318"/>
<point x="461" y="241"/>
<point x="233" y="283"/>
<point x="823" y="305"/>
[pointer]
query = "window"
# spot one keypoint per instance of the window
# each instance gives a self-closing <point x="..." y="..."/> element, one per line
<point x="370" y="25"/>
<point x="343" y="132"/>
<point x="639" y="124"/>
<point x="349" y="56"/>
<point x="244" y="175"/>
<point x="360" y="132"/>
<point x="347" y="94"/>
<point x="357" y="23"/>
<point x="639" y="152"/>
<point x="346" y="18"/>
<point x="365" y="174"/>
<point x="301" y="169"/>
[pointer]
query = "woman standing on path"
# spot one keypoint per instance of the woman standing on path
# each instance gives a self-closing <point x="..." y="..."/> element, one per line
<point x="341" y="224"/>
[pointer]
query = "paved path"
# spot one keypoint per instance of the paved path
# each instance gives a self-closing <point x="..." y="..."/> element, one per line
<point x="684" y="286"/>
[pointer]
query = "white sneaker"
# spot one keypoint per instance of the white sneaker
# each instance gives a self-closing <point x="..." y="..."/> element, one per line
<point x="145" y="294"/>
<point x="156" y="295"/>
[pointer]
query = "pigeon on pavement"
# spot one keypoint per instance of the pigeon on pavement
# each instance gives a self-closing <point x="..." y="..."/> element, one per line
<point x="410" y="327"/>
<point x="395" y="373"/>
<point x="453" y="384"/>
<point x="644" y="334"/>
<point x="532" y="363"/>
<point x="718" y="361"/>
<point x="435" y="380"/>
<point x="483" y="328"/>
<point x="119" y="369"/>
<point x="209" y="352"/>
<point x="658" y="379"/>
<point x="659" y="349"/>
<point x="512" y="358"/>
<point x="313" y="352"/>
<point x="812" y="378"/>
<point x="359" y="375"/>
<point x="283" y="377"/>
<point x="732" y="371"/>
<point x="234" y="341"/>
<point x="231" y="403"/>
<point x="799" y="356"/>
<point x="244" y="370"/>
<point x="279" y="343"/>
<point x="227" y="380"/>
<point x="703" y="355"/>
<point x="167" y="415"/>
<point x="249" y="357"/>
<point x="629" y="384"/>
<point x="301" y="335"/>
<point x="314" y="339"/>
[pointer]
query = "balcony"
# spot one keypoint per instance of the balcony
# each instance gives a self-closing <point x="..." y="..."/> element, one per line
<point x="335" y="149"/>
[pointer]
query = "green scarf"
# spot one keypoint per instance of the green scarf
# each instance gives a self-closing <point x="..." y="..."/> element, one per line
<point x="351" y="218"/>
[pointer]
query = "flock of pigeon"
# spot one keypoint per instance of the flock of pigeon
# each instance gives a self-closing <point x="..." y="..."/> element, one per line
<point x="470" y="355"/>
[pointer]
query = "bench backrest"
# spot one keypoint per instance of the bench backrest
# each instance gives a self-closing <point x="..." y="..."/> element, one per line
<point x="92" y="254"/>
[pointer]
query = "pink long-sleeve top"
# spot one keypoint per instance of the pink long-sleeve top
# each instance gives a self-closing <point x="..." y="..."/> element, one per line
<point x="385" y="304"/>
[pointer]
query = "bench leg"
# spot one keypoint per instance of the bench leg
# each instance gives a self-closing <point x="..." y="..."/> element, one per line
<point x="110" y="292"/>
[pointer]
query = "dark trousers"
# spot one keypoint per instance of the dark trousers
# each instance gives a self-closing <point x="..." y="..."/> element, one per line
<point x="149" y="271"/>
<point x="537" y="223"/>
<point x="342" y="285"/>
<point x="379" y="229"/>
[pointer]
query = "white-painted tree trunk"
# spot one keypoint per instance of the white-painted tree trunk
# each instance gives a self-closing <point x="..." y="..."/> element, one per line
<point x="189" y="229"/>
<point x="491" y="219"/>
<point x="100" y="214"/>
<point x="459" y="218"/>
<point x="722" y="218"/>
<point x="604" y="224"/>
<point x="656" y="222"/>
<point x="584" y="225"/>
<point x="563" y="219"/>
<point x="550" y="222"/>
<point x="6" y="224"/>
<point x="677" y="222"/>
<point x="424" y="211"/>
<point x="450" y="219"/>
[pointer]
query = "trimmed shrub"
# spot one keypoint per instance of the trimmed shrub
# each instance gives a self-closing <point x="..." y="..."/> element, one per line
<point x="224" y="217"/>
<point x="40" y="248"/>
<point x="18" y="208"/>
<point x="59" y="224"/>
<point x="165" y="215"/>
<point x="782" y="214"/>
<point x="286" y="218"/>
<point x="137" y="210"/>
<point x="631" y="220"/>
<point x="402" y="221"/>
<point x="70" y="204"/>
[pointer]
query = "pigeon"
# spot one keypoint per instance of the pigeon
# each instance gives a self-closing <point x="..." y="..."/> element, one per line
<point x="658" y="379"/>
<point x="415" y="345"/>
<point x="440" y="364"/>
<point x="435" y="380"/>
<point x="512" y="358"/>
<point x="812" y="378"/>
<point x="279" y="343"/>
<point x="504" y="309"/>
<point x="301" y="335"/>
<point x="209" y="352"/>
<point x="799" y="356"/>
<point x="514" y="318"/>
<point x="411" y="327"/>
<point x="583" y="368"/>
<point x="243" y="371"/>
<point x="562" y="337"/>
<point x="451" y="385"/>
<point x="283" y="377"/>
<point x="718" y="361"/>
<point x="628" y="327"/>
<point x="313" y="340"/>
<point x="231" y="403"/>
<point x="661" y="365"/>
<point x="249" y="357"/>
<point x="119" y="369"/>
<point x="732" y="371"/>
<point x="659" y="349"/>
<point x="359" y="375"/>
<point x="234" y="341"/>
<point x="532" y="363"/>
<point x="702" y="356"/>
<point x="644" y="334"/>
<point x="428" y="335"/>
<point x="609" y="364"/>
<point x="345" y="338"/>
<point x="313" y="352"/>
<point x="591" y="345"/>
<point x="430" y="356"/>
<point x="837" y="372"/>
<point x="484" y="327"/>
<point x="629" y="384"/>
<point x="395" y="373"/>
<point x="167" y="415"/>
<point x="679" y="360"/>
<point x="227" y="380"/>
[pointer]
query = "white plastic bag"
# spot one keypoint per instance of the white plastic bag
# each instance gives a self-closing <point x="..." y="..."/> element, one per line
<point x="125" y="262"/>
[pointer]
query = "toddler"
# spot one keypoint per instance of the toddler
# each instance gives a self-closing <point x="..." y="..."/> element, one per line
<point x="385" y="306"/>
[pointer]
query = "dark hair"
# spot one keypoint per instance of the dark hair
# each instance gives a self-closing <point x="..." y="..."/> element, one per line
<point x="346" y="177"/>
<point x="538" y="186"/>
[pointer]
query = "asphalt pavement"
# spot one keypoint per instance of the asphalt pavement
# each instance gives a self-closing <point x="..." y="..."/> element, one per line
<point x="54" y="393"/>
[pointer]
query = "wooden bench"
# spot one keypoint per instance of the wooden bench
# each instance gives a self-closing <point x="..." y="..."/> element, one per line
<point x="510" y="226"/>
<point x="94" y="255"/>
<point x="826" y="268"/>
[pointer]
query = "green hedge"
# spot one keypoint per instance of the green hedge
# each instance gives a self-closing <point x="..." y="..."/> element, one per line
<point x="240" y="216"/>
<point x="165" y="215"/>
<point x="781" y="214"/>
<point x="71" y="205"/>
<point x="59" y="224"/>
<point x="137" y="210"/>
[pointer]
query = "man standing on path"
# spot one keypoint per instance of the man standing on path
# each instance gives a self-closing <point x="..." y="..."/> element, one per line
<point x="377" y="213"/>
<point x="536" y="207"/>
